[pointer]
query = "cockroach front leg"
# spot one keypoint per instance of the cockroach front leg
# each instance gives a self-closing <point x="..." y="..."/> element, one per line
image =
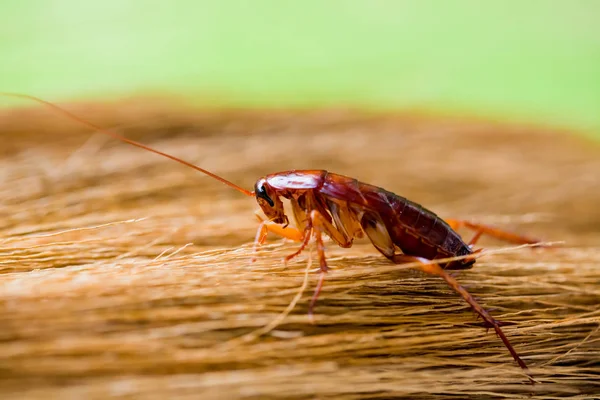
<point x="481" y="229"/>
<point x="265" y="227"/>
<point x="434" y="269"/>
<point x="317" y="224"/>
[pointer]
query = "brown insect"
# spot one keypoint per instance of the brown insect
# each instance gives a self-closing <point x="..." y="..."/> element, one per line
<point x="344" y="209"/>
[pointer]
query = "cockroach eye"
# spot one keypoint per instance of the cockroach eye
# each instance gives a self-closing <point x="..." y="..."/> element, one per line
<point x="261" y="193"/>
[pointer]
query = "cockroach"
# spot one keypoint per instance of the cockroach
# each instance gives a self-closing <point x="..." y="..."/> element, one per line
<point x="344" y="208"/>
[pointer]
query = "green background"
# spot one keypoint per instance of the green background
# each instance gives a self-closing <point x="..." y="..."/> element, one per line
<point x="529" y="60"/>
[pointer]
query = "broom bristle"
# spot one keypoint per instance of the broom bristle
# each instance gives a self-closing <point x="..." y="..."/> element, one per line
<point x="101" y="293"/>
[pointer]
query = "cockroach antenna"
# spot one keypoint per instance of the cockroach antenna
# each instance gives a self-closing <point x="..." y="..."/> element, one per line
<point x="126" y="140"/>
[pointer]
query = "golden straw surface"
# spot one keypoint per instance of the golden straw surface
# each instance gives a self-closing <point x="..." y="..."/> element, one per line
<point x="126" y="275"/>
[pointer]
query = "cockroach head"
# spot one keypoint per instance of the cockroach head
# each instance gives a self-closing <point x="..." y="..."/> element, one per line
<point x="269" y="202"/>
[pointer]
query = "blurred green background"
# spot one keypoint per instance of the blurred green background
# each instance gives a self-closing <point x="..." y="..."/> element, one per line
<point x="534" y="61"/>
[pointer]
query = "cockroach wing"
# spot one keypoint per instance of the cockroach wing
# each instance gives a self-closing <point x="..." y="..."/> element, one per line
<point x="377" y="233"/>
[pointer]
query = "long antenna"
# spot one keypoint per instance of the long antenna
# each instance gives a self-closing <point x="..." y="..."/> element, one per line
<point x="124" y="139"/>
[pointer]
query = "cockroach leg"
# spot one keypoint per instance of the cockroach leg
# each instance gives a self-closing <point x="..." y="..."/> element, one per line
<point x="305" y="240"/>
<point x="261" y="232"/>
<point x="475" y="238"/>
<point x="317" y="224"/>
<point x="265" y="227"/>
<point x="434" y="269"/>
<point x="287" y="232"/>
<point x="317" y="221"/>
<point x="481" y="229"/>
<point x="261" y="236"/>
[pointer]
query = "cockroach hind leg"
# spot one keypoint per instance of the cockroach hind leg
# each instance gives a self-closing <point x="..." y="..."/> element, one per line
<point x="500" y="234"/>
<point x="434" y="269"/>
<point x="475" y="237"/>
<point x="487" y="325"/>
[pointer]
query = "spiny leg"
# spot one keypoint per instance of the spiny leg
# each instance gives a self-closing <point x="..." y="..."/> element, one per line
<point x="317" y="224"/>
<point x="305" y="240"/>
<point x="321" y="225"/>
<point x="435" y="269"/>
<point x="286" y="232"/>
<point x="323" y="267"/>
<point x="295" y="234"/>
<point x="481" y="229"/>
